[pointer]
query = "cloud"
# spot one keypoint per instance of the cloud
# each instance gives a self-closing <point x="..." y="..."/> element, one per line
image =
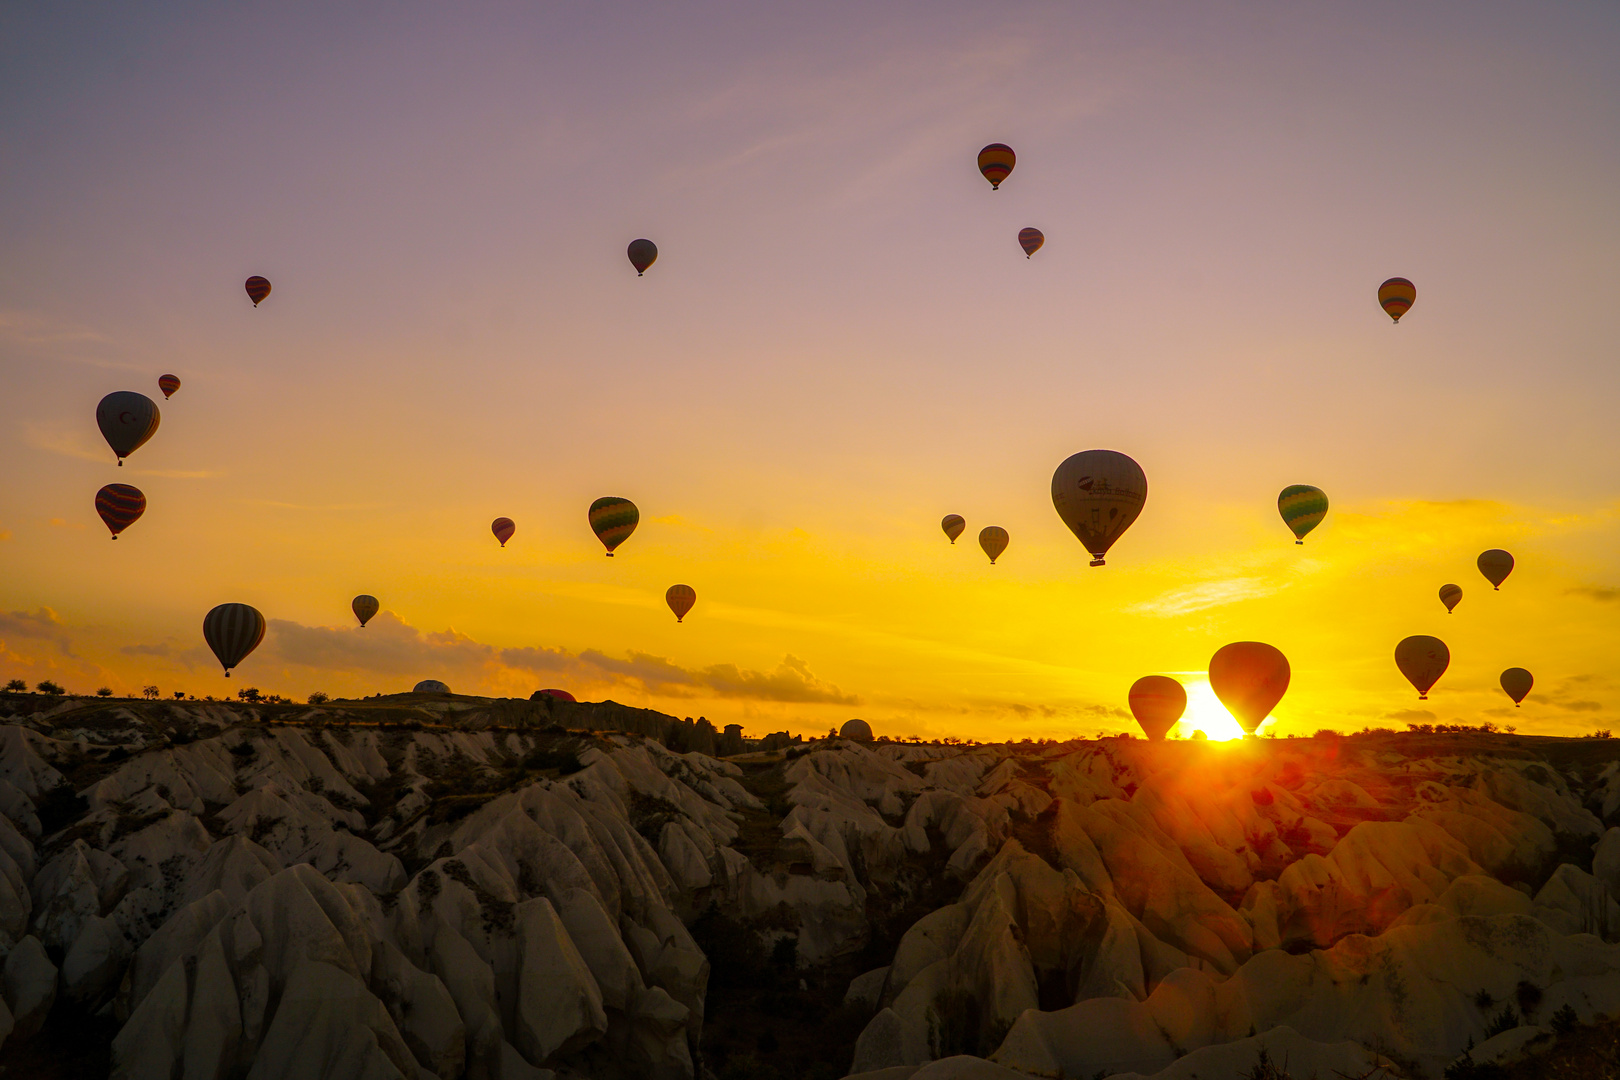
<point x="41" y="625"/>
<point x="1579" y="706"/>
<point x="1410" y="716"/>
<point x="1210" y="594"/>
<point x="1601" y="593"/>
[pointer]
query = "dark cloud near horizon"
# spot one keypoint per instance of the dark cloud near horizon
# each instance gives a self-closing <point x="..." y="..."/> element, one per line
<point x="41" y="625"/>
<point x="1411" y="716"/>
<point x="1601" y="593"/>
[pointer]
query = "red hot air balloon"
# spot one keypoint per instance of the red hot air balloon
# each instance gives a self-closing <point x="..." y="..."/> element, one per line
<point x="257" y="289"/>
<point x="503" y="529"/>
<point x="996" y="161"/>
<point x="953" y="524"/>
<point x="1249" y="677"/>
<point x="560" y="695"/>
<point x="120" y="506"/>
<point x="168" y="384"/>
<point x="643" y="253"/>
<point x="1030" y="240"/>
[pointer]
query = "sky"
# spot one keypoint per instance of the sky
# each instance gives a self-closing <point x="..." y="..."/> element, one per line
<point x="840" y="343"/>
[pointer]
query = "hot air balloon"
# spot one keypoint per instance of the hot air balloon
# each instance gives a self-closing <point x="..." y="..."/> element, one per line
<point x="1157" y="702"/>
<point x="1449" y="596"/>
<point x="953" y="526"/>
<point x="127" y="420"/>
<point x="120" y="506"/>
<point x="233" y="631"/>
<point x="168" y="384"/>
<point x="993" y="538"/>
<point x="1422" y="659"/>
<point x="680" y="599"/>
<point x="1395" y="296"/>
<point x="996" y="161"/>
<point x="365" y="606"/>
<point x="1249" y="677"/>
<point x="1302" y="508"/>
<point x="1496" y="565"/>
<point x="503" y="528"/>
<point x="613" y="520"/>
<point x="1098" y="493"/>
<point x="1030" y="240"/>
<point x="430" y="686"/>
<point x="643" y="253"/>
<point x="560" y="695"/>
<point x="1517" y="683"/>
<point x="257" y="288"/>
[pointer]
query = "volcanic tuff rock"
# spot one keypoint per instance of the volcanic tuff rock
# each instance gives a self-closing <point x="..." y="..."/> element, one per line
<point x="371" y="889"/>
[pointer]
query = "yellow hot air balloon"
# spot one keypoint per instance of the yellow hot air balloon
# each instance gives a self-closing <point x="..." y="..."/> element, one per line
<point x="680" y="599"/>
<point x="953" y="526"/>
<point x="1450" y="595"/>
<point x="1249" y="677"/>
<point x="1422" y="659"/>
<point x="1157" y="702"/>
<point x="1516" y="682"/>
<point x="1496" y="565"/>
<point x="1396" y="297"/>
<point x="993" y="538"/>
<point x="365" y="606"/>
<point x="1098" y="493"/>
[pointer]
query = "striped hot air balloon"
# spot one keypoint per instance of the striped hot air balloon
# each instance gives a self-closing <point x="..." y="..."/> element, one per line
<point x="613" y="520"/>
<point x="993" y="539"/>
<point x="168" y="384"/>
<point x="1302" y="508"/>
<point x="364" y="607"/>
<point x="995" y="162"/>
<point x="953" y="524"/>
<point x="1396" y="296"/>
<point x="233" y="631"/>
<point x="120" y="506"/>
<point x="680" y="599"/>
<point x="503" y="529"/>
<point x="257" y="289"/>
<point x="127" y="420"/>
<point x="643" y="253"/>
<point x="1030" y="240"/>
<point x="1449" y="596"/>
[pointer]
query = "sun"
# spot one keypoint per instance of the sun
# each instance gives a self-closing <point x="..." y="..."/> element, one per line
<point x="1205" y="712"/>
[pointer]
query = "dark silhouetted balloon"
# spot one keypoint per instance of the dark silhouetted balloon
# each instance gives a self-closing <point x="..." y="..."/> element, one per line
<point x="1496" y="565"/>
<point x="680" y="599"/>
<point x="233" y="631"/>
<point x="1302" y="508"/>
<point x="1098" y="493"/>
<point x="1030" y="240"/>
<point x="1422" y="659"/>
<point x="503" y="528"/>
<point x="1450" y="595"/>
<point x="120" y="506"/>
<point x="1157" y="702"/>
<point x="560" y="695"/>
<point x="1516" y="683"/>
<point x="257" y="289"/>
<point x="168" y="384"/>
<point x="953" y="526"/>
<point x="993" y="538"/>
<point x="1396" y="297"/>
<point x="365" y="606"/>
<point x="127" y="420"/>
<point x="613" y="520"/>
<point x="995" y="162"/>
<point x="1249" y="677"/>
<point x="430" y="686"/>
<point x="643" y="253"/>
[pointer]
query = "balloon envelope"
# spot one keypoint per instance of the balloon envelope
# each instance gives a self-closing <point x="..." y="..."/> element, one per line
<point x="168" y="384"/>
<point x="233" y="631"/>
<point x="1422" y="659"/>
<point x="503" y="528"/>
<point x="1450" y="595"/>
<point x="1516" y="682"/>
<point x="120" y="506"/>
<point x="1249" y="677"/>
<point x="560" y="695"/>
<point x="953" y="524"/>
<point x="1157" y="702"/>
<point x="680" y="599"/>
<point x="1098" y="493"/>
<point x="127" y="420"/>
<point x="993" y="538"/>
<point x="1030" y="240"/>
<point x="365" y="606"/>
<point x="643" y="253"/>
<point x="257" y="288"/>
<point x="1302" y="508"/>
<point x="995" y="162"/>
<point x="430" y="686"/>
<point x="1396" y="296"/>
<point x="613" y="520"/>
<point x="1496" y="565"/>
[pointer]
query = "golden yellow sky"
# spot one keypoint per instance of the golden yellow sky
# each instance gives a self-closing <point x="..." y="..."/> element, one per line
<point x="840" y="343"/>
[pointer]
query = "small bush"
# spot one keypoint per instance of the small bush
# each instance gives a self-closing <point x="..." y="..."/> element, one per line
<point x="1528" y="995"/>
<point x="1266" y="1069"/>
<point x="1506" y="1020"/>
<point x="104" y="691"/>
<point x="150" y="693"/>
<point x="47" y="687"/>
<point x="1565" y="1021"/>
<point x="17" y="686"/>
<point x="179" y="695"/>
<point x="318" y="698"/>
<point x="1483" y="1000"/>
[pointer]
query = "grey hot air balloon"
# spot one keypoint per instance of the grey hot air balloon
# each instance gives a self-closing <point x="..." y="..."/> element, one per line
<point x="233" y="631"/>
<point x="364" y="607"/>
<point x="1496" y="565"/>
<point x="127" y="420"/>
<point x="1422" y="659"/>
<point x="1098" y="493"/>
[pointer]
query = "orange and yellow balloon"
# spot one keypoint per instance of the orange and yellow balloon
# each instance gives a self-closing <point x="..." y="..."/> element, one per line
<point x="680" y="599"/>
<point x="996" y="161"/>
<point x="1396" y="297"/>
<point x="993" y="539"/>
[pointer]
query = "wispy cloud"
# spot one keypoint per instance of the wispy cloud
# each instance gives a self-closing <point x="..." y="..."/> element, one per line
<point x="1601" y="593"/>
<point x="1199" y="597"/>
<point x="41" y="625"/>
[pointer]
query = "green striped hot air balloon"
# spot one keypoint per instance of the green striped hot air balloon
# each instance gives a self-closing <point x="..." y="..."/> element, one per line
<point x="1302" y="508"/>
<point x="613" y="520"/>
